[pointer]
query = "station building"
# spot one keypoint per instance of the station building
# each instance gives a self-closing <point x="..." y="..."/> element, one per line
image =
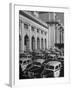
<point x="40" y="30"/>
<point x="33" y="32"/>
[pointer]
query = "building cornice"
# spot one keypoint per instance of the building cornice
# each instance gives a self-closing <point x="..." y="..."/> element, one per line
<point x="33" y="18"/>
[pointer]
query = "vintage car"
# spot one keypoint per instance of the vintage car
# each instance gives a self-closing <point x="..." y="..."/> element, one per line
<point x="25" y="55"/>
<point x="33" y="70"/>
<point x="61" y="59"/>
<point x="26" y="59"/>
<point x="52" y="56"/>
<point x="40" y="60"/>
<point x="25" y="63"/>
<point x="46" y="61"/>
<point x="51" y="69"/>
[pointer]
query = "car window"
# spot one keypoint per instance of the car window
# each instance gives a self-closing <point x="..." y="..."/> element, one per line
<point x="29" y="66"/>
<point x="24" y="62"/>
<point x="25" y="56"/>
<point x="28" y="56"/>
<point x="47" y="66"/>
<point x="20" y="62"/>
<point x="37" y="63"/>
<point x="59" y="65"/>
<point x="51" y="67"/>
<point x="28" y="61"/>
<point x="56" y="67"/>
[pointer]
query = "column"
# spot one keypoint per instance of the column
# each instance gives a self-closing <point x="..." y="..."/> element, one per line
<point x="30" y="37"/>
<point x="54" y="35"/>
<point x="58" y="36"/>
<point x="47" y="40"/>
<point x="22" y="35"/>
<point x="43" y="43"/>
<point x="35" y="38"/>
<point x="40" y="39"/>
<point x="61" y="37"/>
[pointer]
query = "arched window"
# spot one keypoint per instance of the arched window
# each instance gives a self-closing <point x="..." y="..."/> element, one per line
<point x="45" y="44"/>
<point x="42" y="44"/>
<point x="33" y="43"/>
<point x="38" y="43"/>
<point x="19" y="43"/>
<point x="26" y="42"/>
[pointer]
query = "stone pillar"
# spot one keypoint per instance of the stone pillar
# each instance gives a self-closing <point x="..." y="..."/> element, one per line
<point x="47" y="40"/>
<point x="40" y="39"/>
<point x="20" y="31"/>
<point x="35" y="38"/>
<point x="50" y="36"/>
<point x="63" y="36"/>
<point x="30" y="38"/>
<point x="54" y="36"/>
<point x="43" y="44"/>
<point x="22" y="35"/>
<point x="58" y="36"/>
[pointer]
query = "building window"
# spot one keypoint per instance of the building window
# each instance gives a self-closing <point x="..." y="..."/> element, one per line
<point x="19" y="43"/>
<point x="38" y="43"/>
<point x="37" y="30"/>
<point x="25" y="26"/>
<point x="41" y="32"/>
<point x="26" y="42"/>
<point x="32" y="28"/>
<point x="45" y="44"/>
<point x="33" y="43"/>
<point x="42" y="44"/>
<point x="45" y="33"/>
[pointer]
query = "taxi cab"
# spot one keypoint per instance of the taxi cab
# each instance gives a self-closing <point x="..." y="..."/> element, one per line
<point x="52" y="69"/>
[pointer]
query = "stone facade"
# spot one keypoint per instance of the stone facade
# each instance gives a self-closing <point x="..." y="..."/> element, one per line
<point x="39" y="31"/>
<point x="33" y="33"/>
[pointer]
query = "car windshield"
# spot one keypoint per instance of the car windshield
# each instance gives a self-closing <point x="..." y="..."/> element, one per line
<point x="29" y="66"/>
<point x="45" y="62"/>
<point x="36" y="64"/>
<point x="34" y="68"/>
<point x="49" y="67"/>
